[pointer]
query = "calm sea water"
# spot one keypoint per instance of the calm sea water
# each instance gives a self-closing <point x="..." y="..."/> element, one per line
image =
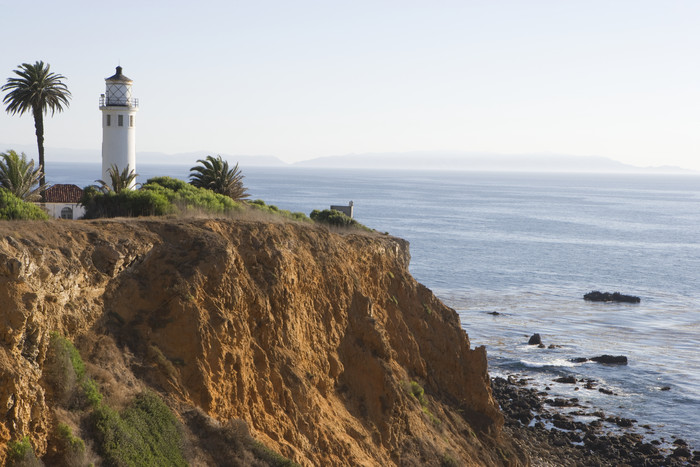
<point x="528" y="246"/>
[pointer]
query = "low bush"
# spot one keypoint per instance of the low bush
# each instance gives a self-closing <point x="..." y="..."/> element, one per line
<point x="185" y="197"/>
<point x="20" y="453"/>
<point x="146" y="433"/>
<point x="259" y="205"/>
<point x="127" y="203"/>
<point x="13" y="208"/>
<point x="71" y="447"/>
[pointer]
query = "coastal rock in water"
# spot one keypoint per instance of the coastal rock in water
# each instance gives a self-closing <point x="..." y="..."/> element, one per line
<point x="597" y="296"/>
<point x="535" y="339"/>
<point x="611" y="359"/>
<point x="566" y="380"/>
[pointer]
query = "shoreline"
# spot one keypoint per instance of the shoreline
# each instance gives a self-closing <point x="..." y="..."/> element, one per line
<point x="562" y="431"/>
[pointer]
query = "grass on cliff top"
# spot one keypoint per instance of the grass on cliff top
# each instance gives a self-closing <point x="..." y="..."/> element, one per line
<point x="167" y="196"/>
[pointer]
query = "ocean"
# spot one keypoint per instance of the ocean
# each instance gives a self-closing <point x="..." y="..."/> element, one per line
<point x="528" y="246"/>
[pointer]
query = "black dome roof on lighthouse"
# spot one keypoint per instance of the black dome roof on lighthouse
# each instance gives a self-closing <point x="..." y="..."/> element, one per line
<point x="119" y="77"/>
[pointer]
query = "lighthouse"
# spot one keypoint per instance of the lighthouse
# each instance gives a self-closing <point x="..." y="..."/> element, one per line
<point x="118" y="124"/>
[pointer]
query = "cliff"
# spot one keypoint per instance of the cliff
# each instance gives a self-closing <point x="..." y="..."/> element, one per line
<point x="321" y="342"/>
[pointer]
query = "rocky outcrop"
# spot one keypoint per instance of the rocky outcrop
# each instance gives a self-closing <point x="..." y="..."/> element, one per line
<point x="313" y="339"/>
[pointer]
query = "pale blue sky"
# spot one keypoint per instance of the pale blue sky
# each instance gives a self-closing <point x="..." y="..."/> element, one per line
<point x="303" y="79"/>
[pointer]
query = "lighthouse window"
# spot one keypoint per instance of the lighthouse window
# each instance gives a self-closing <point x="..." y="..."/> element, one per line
<point x="131" y="120"/>
<point x="109" y="120"/>
<point x="120" y="120"/>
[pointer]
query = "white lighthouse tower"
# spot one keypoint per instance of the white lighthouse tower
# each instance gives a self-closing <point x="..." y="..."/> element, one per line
<point x="118" y="124"/>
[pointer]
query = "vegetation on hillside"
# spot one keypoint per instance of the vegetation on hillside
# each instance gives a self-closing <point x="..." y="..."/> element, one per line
<point x="37" y="90"/>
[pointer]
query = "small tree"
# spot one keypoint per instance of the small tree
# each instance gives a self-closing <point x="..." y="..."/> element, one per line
<point x="214" y="174"/>
<point x="118" y="181"/>
<point x="19" y="177"/>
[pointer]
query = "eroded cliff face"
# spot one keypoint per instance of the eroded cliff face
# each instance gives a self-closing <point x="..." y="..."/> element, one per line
<point x="312" y="338"/>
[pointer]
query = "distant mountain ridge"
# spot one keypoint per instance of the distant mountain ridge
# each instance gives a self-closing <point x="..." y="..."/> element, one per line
<point x="414" y="160"/>
<point x="437" y="160"/>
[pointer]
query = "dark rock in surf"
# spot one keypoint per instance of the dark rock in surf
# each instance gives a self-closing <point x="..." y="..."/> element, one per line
<point x="681" y="452"/>
<point x="578" y="360"/>
<point x="597" y="296"/>
<point x="535" y="340"/>
<point x="566" y="380"/>
<point x="611" y="359"/>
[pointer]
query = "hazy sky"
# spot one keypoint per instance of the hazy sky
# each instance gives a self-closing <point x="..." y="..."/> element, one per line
<point x="301" y="79"/>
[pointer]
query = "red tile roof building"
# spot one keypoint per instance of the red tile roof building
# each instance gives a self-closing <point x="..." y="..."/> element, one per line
<point x="70" y="194"/>
<point x="62" y="202"/>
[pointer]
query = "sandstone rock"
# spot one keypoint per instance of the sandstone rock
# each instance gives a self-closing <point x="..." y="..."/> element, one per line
<point x="310" y="338"/>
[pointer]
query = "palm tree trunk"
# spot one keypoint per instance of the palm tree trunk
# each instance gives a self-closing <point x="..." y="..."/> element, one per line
<point x="39" y="125"/>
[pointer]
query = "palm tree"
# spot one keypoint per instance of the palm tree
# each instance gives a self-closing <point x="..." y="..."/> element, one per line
<point x="214" y="174"/>
<point x="119" y="181"/>
<point x="18" y="176"/>
<point x="38" y="90"/>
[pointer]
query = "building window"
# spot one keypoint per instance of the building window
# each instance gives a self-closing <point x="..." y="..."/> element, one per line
<point x="131" y="120"/>
<point x="120" y="120"/>
<point x="109" y="120"/>
<point x="67" y="213"/>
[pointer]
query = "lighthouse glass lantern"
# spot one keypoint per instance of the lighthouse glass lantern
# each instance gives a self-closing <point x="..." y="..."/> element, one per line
<point x="119" y="109"/>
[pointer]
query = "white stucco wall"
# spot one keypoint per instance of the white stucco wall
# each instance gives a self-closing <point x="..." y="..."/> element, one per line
<point x="54" y="209"/>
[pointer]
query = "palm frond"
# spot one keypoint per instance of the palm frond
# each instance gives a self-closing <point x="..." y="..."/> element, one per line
<point x="19" y="176"/>
<point x="36" y="89"/>
<point x="118" y="180"/>
<point x="214" y="174"/>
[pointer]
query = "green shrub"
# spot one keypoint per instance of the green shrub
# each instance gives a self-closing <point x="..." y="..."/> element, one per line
<point x="63" y="378"/>
<point x="336" y="218"/>
<point x="62" y="345"/>
<point x="21" y="453"/>
<point x="71" y="448"/>
<point x="147" y="433"/>
<point x="418" y="392"/>
<point x="170" y="183"/>
<point x="13" y="208"/>
<point x="91" y="391"/>
<point x="273" y="458"/>
<point x="128" y="203"/>
<point x="185" y="197"/>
